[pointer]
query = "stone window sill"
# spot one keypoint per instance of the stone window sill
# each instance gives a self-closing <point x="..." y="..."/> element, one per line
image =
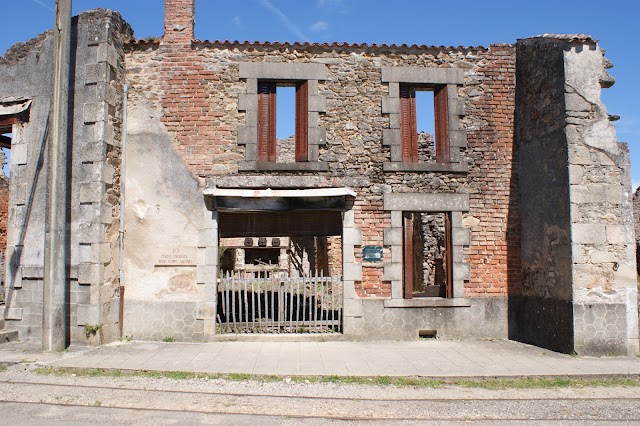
<point x="427" y="302"/>
<point x="255" y="166"/>
<point x="426" y="167"/>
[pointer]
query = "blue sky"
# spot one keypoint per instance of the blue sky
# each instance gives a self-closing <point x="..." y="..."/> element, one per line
<point x="428" y="22"/>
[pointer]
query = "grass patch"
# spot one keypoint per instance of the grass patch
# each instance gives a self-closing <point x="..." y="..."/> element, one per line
<point x="507" y="383"/>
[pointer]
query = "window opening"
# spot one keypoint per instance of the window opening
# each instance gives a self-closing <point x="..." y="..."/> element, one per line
<point x="424" y="127"/>
<point x="427" y="255"/>
<point x="285" y="124"/>
<point x="283" y="121"/>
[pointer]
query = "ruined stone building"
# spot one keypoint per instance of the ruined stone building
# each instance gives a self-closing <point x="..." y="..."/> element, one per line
<point x="511" y="219"/>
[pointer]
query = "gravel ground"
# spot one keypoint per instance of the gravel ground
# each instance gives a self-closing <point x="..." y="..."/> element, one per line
<point x="24" y="394"/>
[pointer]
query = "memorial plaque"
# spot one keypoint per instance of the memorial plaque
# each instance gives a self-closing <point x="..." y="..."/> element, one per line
<point x="178" y="256"/>
<point x="372" y="253"/>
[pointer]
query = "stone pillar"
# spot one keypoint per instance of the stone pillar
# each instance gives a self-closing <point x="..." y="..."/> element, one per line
<point x="207" y="273"/>
<point x="579" y="272"/>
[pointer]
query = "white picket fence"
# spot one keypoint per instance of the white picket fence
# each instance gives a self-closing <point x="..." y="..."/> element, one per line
<point x="248" y="303"/>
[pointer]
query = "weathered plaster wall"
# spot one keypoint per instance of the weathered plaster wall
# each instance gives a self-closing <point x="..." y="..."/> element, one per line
<point x="163" y="212"/>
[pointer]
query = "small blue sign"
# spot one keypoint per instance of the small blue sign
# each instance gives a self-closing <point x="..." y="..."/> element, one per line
<point x="372" y="253"/>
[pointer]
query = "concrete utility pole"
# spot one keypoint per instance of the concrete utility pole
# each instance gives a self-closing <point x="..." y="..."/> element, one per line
<point x="55" y="327"/>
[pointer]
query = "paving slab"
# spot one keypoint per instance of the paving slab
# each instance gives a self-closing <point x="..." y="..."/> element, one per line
<point x="432" y="358"/>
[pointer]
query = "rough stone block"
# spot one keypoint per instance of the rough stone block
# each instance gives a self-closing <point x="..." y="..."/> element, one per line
<point x="207" y="238"/>
<point x="251" y="118"/>
<point x="282" y="71"/>
<point x="13" y="314"/>
<point x="348" y="253"/>
<point x="352" y="308"/>
<point x="352" y="236"/>
<point x="19" y="153"/>
<point x="603" y="257"/>
<point x="393" y="237"/>
<point x="461" y="236"/>
<point x="87" y="315"/>
<point x="390" y="105"/>
<point x="317" y="136"/>
<point x="420" y="202"/>
<point x="252" y="86"/>
<point x="396" y="254"/>
<point x="394" y="121"/>
<point x="587" y="194"/>
<point x="423" y="75"/>
<point x="88" y="274"/>
<point x="352" y="272"/>
<point x="317" y="103"/>
<point x="457" y="138"/>
<point x="205" y="310"/>
<point x="95" y="73"/>
<point x="396" y="219"/>
<point x="394" y="90"/>
<point x="391" y="137"/>
<point x="587" y="233"/>
<point x="616" y="234"/>
<point x="107" y="53"/>
<point x="94" y="112"/>
<point x="205" y="273"/>
<point x="247" y="135"/>
<point x="91" y="192"/>
<point x="247" y="102"/>
<point x="392" y="272"/>
<point x="211" y="255"/>
<point x="461" y="271"/>
<point x="348" y="289"/>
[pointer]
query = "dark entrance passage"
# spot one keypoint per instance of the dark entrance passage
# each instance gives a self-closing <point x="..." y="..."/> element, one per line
<point x="281" y="271"/>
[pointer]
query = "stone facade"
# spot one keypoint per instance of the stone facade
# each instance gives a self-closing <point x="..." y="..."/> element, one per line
<point x="195" y="113"/>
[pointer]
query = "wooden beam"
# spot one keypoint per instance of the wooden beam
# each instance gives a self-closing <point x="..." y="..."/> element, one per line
<point x="5" y="141"/>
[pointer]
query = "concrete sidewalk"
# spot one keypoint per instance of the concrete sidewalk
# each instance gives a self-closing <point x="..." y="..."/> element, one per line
<point x="433" y="358"/>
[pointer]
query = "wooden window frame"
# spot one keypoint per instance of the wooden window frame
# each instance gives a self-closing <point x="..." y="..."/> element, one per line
<point x="267" y="121"/>
<point x="408" y="122"/>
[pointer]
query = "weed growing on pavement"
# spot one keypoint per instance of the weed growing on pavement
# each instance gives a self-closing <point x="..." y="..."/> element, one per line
<point x="419" y="382"/>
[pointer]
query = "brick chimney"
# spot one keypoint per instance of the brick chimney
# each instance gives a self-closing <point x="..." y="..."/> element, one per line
<point x="179" y="18"/>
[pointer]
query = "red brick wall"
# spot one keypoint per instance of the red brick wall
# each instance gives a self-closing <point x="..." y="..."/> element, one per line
<point x="494" y="253"/>
<point x="371" y="219"/>
<point x="188" y="112"/>
<point x="179" y="21"/>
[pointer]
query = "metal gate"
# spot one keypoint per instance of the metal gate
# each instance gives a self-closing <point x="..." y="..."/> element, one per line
<point x="249" y="303"/>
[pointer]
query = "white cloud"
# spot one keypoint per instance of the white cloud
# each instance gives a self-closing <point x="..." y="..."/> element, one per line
<point x="284" y="19"/>
<point x="237" y="21"/>
<point x="319" y="26"/>
<point x="45" y="5"/>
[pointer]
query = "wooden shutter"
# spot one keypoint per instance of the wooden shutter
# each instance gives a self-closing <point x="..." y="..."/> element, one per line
<point x="266" y="121"/>
<point x="302" y="121"/>
<point x="408" y="255"/>
<point x="448" y="255"/>
<point x="441" y="113"/>
<point x="409" y="133"/>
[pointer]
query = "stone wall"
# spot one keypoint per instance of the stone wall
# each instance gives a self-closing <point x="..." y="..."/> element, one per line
<point x="96" y="69"/>
<point x="578" y="286"/>
<point x="353" y="152"/>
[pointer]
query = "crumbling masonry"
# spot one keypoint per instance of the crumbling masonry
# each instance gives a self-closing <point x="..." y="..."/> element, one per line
<point x="513" y="220"/>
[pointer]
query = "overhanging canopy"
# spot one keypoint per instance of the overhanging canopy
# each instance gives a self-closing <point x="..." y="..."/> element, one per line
<point x="274" y="200"/>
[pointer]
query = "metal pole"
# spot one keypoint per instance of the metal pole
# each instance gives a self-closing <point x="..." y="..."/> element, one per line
<point x="55" y="327"/>
<point x="123" y="168"/>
